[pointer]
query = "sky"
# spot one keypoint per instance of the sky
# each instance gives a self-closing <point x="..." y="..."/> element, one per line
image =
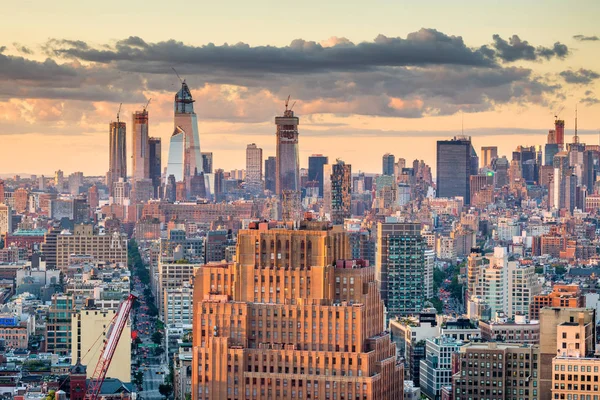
<point x="367" y="77"/>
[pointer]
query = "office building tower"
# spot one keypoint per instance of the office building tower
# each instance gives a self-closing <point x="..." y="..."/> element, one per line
<point x="456" y="162"/>
<point x="207" y="162"/>
<point x="281" y="307"/>
<point x="401" y="267"/>
<point x="21" y="196"/>
<point x="140" y="144"/>
<point x="117" y="167"/>
<point x="254" y="171"/>
<point x="42" y="183"/>
<point x="341" y="192"/>
<point x="488" y="153"/>
<point x="87" y="325"/>
<point x="550" y="150"/>
<point x="500" y="166"/>
<point x="175" y="163"/>
<point x="2" y="189"/>
<point x="315" y="170"/>
<point x="171" y="189"/>
<point x="388" y="164"/>
<point x="186" y="120"/>
<point x="287" y="175"/>
<point x="218" y="184"/>
<point x="559" y="129"/>
<point x="270" y="173"/>
<point x="93" y="198"/>
<point x="59" y="180"/>
<point x="155" y="162"/>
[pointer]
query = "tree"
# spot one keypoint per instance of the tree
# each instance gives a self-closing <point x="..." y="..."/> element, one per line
<point x="560" y="270"/>
<point x="437" y="303"/>
<point x="51" y="395"/>
<point x="158" y="351"/>
<point x="138" y="378"/>
<point x="157" y="337"/>
<point x="165" y="390"/>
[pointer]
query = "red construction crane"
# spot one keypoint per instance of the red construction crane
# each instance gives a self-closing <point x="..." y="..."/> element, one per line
<point x="108" y="350"/>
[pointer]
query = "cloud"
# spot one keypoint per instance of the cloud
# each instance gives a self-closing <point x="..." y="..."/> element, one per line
<point x="590" y="101"/>
<point x="581" y="76"/>
<point x="23" y="49"/>
<point x="516" y="49"/>
<point x="583" y="38"/>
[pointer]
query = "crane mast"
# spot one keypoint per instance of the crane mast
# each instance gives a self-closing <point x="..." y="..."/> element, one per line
<point x="108" y="350"/>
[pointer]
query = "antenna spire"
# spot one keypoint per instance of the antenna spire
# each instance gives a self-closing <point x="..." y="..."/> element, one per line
<point x="576" y="137"/>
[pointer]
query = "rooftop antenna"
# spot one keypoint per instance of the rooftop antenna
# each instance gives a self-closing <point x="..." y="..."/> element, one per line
<point x="180" y="80"/>
<point x="119" y="112"/>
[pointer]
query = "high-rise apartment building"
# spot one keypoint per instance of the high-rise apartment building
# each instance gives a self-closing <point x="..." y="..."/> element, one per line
<point x="140" y="146"/>
<point x="117" y="167"/>
<point x="497" y="371"/>
<point x="21" y="196"/>
<point x="254" y="165"/>
<point x="271" y="173"/>
<point x="287" y="174"/>
<point x="401" y="267"/>
<point x="559" y="129"/>
<point x="186" y="120"/>
<point x="388" y="166"/>
<point x="554" y="322"/>
<point x="303" y="327"/>
<point x="488" y="153"/>
<point x="315" y="170"/>
<point x="341" y="192"/>
<point x="436" y="369"/>
<point x="58" y="324"/>
<point x="6" y="214"/>
<point x="155" y="162"/>
<point x="456" y="162"/>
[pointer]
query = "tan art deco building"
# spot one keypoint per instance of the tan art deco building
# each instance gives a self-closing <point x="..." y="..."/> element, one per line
<point x="285" y="322"/>
<point x="83" y="241"/>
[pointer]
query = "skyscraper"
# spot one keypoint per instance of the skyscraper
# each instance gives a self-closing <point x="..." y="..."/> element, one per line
<point x="155" y="156"/>
<point x="175" y="163"/>
<point x="315" y="170"/>
<point x="186" y="120"/>
<point x="254" y="164"/>
<point x="207" y="162"/>
<point x="141" y="154"/>
<point x="487" y="155"/>
<point x="456" y="162"/>
<point x="400" y="267"/>
<point x="559" y="129"/>
<point x="341" y="192"/>
<point x="270" y="173"/>
<point x="388" y="164"/>
<point x="117" y="167"/>
<point x="298" y="284"/>
<point x="288" y="165"/>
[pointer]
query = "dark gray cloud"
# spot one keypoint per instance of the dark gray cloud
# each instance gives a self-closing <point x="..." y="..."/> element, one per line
<point x="583" y="38"/>
<point x="516" y="49"/>
<point x="590" y="101"/>
<point x="426" y="73"/>
<point x="581" y="76"/>
<point x="23" y="49"/>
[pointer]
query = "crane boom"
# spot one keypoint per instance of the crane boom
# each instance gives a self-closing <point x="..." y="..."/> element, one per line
<point x="108" y="350"/>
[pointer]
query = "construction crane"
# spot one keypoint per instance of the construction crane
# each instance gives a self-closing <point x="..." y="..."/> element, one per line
<point x="119" y="111"/>
<point x="557" y="113"/>
<point x="147" y="104"/>
<point x="108" y="350"/>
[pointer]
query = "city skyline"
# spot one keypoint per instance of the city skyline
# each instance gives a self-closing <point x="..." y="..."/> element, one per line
<point x="384" y="88"/>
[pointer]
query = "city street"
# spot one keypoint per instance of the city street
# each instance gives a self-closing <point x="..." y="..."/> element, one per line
<point x="153" y="367"/>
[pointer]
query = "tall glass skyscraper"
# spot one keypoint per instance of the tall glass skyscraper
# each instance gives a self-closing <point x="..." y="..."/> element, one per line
<point x="388" y="164"/>
<point x="175" y="163"/>
<point x="315" y="170"/>
<point x="270" y="173"/>
<point x="185" y="118"/>
<point x="154" y="154"/>
<point x="456" y="162"/>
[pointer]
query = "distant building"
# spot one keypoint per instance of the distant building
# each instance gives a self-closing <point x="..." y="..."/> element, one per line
<point x="270" y="173"/>
<point x="341" y="192"/>
<point x="487" y="155"/>
<point x="117" y="167"/>
<point x="389" y="162"/>
<point x="456" y="162"/>
<point x="315" y="170"/>
<point x="254" y="168"/>
<point x="140" y="146"/>
<point x="207" y="162"/>
<point x="287" y="175"/>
